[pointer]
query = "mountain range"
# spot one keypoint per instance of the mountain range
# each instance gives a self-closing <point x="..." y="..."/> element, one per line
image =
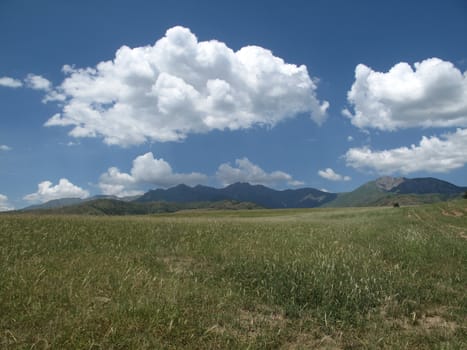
<point x="382" y="191"/>
<point x="242" y="192"/>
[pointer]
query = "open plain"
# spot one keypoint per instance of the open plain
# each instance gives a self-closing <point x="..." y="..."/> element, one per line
<point x="355" y="278"/>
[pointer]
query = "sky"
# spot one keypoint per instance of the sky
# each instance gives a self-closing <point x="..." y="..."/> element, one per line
<point x="119" y="97"/>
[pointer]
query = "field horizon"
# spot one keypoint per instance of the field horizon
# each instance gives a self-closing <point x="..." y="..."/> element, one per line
<point x="326" y="278"/>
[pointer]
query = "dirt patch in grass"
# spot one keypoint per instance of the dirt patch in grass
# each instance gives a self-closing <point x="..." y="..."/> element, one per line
<point x="308" y="341"/>
<point x="437" y="322"/>
<point x="430" y="321"/>
<point x="253" y="322"/>
<point x="179" y="265"/>
<point x="454" y="213"/>
<point x="459" y="231"/>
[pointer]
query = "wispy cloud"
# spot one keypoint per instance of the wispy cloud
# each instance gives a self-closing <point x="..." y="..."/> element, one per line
<point x="10" y="82"/>
<point x="331" y="175"/>
<point x="4" y="204"/>
<point x="246" y="171"/>
<point x="38" y="82"/>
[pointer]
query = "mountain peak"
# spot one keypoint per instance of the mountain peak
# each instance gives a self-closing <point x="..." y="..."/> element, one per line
<point x="387" y="183"/>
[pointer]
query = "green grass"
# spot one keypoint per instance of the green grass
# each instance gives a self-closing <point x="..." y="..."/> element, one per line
<point x="370" y="278"/>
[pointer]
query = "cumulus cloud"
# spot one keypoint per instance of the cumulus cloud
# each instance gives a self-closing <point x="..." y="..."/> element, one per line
<point x="10" y="82"/>
<point x="330" y="174"/>
<point x="64" y="189"/>
<point x="146" y="170"/>
<point x="433" y="154"/>
<point x="431" y="94"/>
<point x="5" y="148"/>
<point x="246" y="171"/>
<point x="38" y="82"/>
<point x="180" y="85"/>
<point x="4" y="205"/>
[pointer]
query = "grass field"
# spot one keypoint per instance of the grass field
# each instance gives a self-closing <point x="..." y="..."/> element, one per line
<point x="366" y="278"/>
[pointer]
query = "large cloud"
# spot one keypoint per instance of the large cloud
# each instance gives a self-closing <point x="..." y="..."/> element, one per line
<point x="246" y="171"/>
<point x="4" y="205"/>
<point x="64" y="189"/>
<point x="433" y="154"/>
<point x="330" y="174"/>
<point x="180" y="86"/>
<point x="146" y="170"/>
<point x="432" y="94"/>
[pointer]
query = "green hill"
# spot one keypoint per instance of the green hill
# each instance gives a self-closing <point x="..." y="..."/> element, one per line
<point x="388" y="190"/>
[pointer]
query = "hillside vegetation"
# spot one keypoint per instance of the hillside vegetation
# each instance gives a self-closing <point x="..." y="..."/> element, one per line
<point x="359" y="278"/>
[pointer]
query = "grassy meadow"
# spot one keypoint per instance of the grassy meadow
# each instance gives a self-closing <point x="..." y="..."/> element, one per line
<point x="358" y="278"/>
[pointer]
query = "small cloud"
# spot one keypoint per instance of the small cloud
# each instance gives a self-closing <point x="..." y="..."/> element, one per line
<point x="246" y="171"/>
<point x="331" y="175"/>
<point x="38" y="82"/>
<point x="4" y="205"/>
<point x="10" y="82"/>
<point x="5" y="148"/>
<point x="146" y="170"/>
<point x="350" y="138"/>
<point x="295" y="183"/>
<point x="64" y="189"/>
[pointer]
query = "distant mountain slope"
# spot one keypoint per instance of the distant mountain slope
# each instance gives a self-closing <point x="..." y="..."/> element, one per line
<point x="427" y="185"/>
<point x="109" y="206"/>
<point x="387" y="190"/>
<point x="55" y="203"/>
<point x="242" y="192"/>
<point x="66" y="202"/>
<point x="182" y="194"/>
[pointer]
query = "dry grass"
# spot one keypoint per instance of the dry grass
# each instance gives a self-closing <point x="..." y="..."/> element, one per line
<point x="306" y="279"/>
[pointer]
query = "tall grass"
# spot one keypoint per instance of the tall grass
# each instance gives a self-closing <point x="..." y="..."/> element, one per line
<point x="334" y="278"/>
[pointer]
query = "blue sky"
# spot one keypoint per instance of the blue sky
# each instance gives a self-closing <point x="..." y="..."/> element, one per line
<point x="118" y="97"/>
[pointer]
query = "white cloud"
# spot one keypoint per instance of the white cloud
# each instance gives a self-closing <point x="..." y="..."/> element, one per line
<point x="433" y="154"/>
<point x="180" y="86"/>
<point x="433" y="94"/>
<point x="38" y="82"/>
<point x="331" y="175"/>
<point x="5" y="148"/>
<point x="64" y="189"/>
<point x="146" y="170"/>
<point x="115" y="183"/>
<point x="4" y="205"/>
<point x="246" y="171"/>
<point x="10" y="82"/>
